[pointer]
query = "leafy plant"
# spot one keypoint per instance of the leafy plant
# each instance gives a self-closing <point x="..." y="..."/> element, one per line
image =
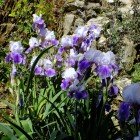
<point x="136" y="73"/>
<point x="1" y="3"/>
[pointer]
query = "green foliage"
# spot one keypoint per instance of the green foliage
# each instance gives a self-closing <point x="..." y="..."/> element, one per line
<point x="131" y="26"/>
<point x="136" y="73"/>
<point x="122" y="24"/>
<point x="7" y="131"/>
<point x="114" y="35"/>
<point x="1" y="3"/>
<point x="22" y="130"/>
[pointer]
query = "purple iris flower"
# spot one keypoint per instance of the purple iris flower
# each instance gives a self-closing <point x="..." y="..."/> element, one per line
<point x="72" y="62"/>
<point x="71" y="94"/>
<point x="17" y="58"/>
<point x="124" y="112"/>
<point x="84" y="46"/>
<point x="49" y="72"/>
<point x="83" y="64"/>
<point x="81" y="95"/>
<point x="81" y="31"/>
<point x="55" y="43"/>
<point x="95" y="31"/>
<point x="88" y="42"/>
<point x="75" y="39"/>
<point x="8" y="58"/>
<point x="39" y="26"/>
<point x="58" y="60"/>
<point x="104" y="71"/>
<point x="116" y="69"/>
<point x="38" y="70"/>
<point x="106" y="64"/>
<point x="38" y="23"/>
<point x="46" y="43"/>
<point x="67" y="41"/>
<point x="59" y="57"/>
<point x="60" y="50"/>
<point x="80" y="74"/>
<point x="42" y="31"/>
<point x="23" y="59"/>
<point x="113" y="90"/>
<point x="28" y="50"/>
<point x="131" y="93"/>
<point x="16" y="53"/>
<point x="33" y="42"/>
<point x="16" y="47"/>
<point x="49" y="36"/>
<point x="65" y="83"/>
<point x="92" y="55"/>
<point x="70" y="74"/>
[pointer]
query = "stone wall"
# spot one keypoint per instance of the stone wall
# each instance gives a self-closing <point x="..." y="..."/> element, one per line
<point x="79" y="12"/>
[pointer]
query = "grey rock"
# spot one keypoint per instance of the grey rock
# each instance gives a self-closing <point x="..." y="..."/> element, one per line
<point x="99" y="21"/>
<point x="77" y="22"/>
<point x="68" y="22"/>
<point x="92" y="9"/>
<point x="127" y="6"/>
<point x="93" y="6"/>
<point x="127" y="2"/>
<point x="81" y="13"/>
<point x="90" y="14"/>
<point x="102" y="40"/>
<point x="128" y="54"/>
<point x="72" y="6"/>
